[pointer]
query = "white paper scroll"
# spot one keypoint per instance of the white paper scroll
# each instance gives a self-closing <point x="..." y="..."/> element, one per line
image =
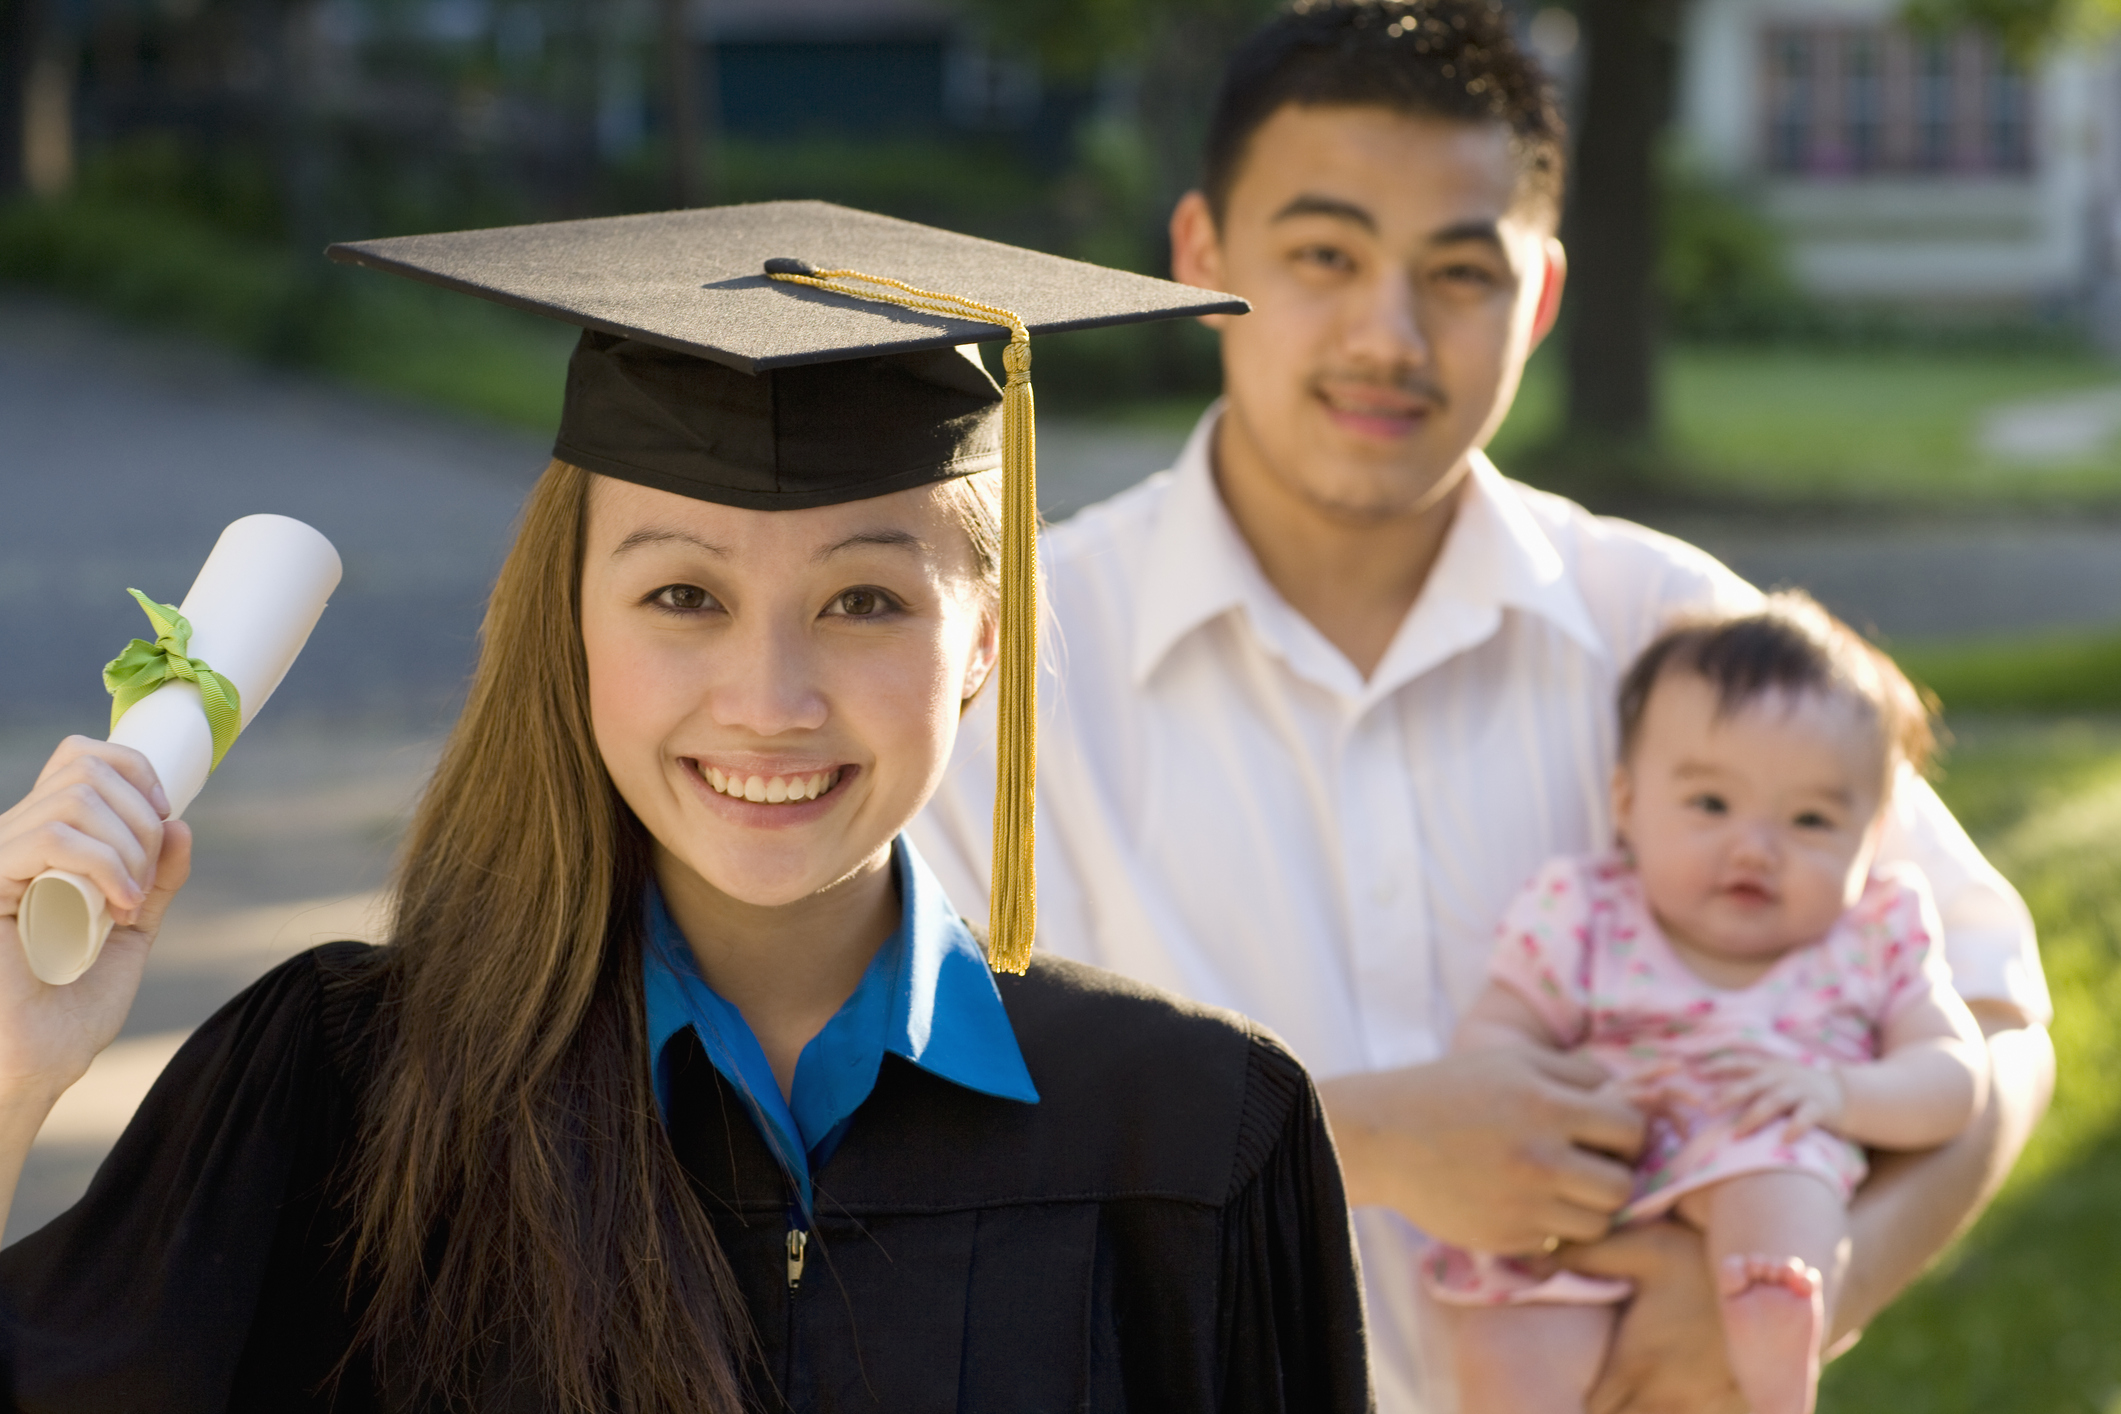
<point x="251" y="610"/>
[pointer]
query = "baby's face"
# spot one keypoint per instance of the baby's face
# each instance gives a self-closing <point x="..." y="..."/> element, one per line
<point x="1754" y="831"/>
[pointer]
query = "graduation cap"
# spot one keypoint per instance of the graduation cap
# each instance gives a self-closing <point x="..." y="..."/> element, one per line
<point x="792" y="354"/>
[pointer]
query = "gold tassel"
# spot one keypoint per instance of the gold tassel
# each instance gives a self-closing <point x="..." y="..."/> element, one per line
<point x="1013" y="897"/>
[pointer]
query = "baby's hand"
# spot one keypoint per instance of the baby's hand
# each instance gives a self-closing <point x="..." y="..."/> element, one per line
<point x="1763" y="1089"/>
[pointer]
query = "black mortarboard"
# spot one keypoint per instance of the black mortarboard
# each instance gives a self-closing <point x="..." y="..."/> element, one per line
<point x="851" y="398"/>
<point x="795" y="354"/>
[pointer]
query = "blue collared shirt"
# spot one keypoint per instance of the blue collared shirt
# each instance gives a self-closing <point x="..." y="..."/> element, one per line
<point x="927" y="996"/>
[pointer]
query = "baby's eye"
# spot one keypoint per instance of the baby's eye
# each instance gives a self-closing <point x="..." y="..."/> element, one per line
<point x="866" y="602"/>
<point x="1709" y="803"/>
<point x="683" y="598"/>
<point x="1813" y="820"/>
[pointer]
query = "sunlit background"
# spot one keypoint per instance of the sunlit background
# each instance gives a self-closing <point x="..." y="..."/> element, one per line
<point x="1845" y="307"/>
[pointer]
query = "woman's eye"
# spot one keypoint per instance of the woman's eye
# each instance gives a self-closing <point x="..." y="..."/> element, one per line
<point x="1710" y="804"/>
<point x="862" y="604"/>
<point x="682" y="598"/>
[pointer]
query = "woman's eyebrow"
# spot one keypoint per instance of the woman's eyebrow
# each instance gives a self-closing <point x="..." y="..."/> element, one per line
<point x="661" y="535"/>
<point x="890" y="539"/>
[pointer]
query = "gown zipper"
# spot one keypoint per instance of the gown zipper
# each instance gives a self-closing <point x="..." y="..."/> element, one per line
<point x="798" y="1242"/>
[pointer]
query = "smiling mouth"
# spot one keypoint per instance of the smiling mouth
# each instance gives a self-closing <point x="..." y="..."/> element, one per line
<point x="768" y="790"/>
<point x="1382" y="401"/>
<point x="1366" y="407"/>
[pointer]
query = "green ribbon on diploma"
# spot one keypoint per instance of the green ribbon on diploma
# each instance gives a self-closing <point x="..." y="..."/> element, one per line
<point x="145" y="666"/>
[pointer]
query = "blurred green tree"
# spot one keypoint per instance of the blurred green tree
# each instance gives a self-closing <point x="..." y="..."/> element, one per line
<point x="2024" y="25"/>
<point x="1160" y="58"/>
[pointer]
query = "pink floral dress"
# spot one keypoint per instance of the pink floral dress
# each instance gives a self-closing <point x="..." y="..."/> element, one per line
<point x="1580" y="946"/>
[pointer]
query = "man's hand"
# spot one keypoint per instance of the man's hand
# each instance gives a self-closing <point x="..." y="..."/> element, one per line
<point x="1496" y="1150"/>
<point x="1667" y="1353"/>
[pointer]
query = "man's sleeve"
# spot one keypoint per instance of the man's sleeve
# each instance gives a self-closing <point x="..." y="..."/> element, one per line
<point x="1988" y="933"/>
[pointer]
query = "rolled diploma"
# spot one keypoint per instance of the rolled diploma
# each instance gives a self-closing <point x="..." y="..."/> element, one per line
<point x="251" y="609"/>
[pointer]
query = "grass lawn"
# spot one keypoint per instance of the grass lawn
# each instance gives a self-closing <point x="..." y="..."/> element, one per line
<point x="1845" y="424"/>
<point x="2025" y="1314"/>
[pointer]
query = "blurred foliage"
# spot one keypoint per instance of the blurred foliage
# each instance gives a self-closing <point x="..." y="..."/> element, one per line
<point x="164" y="267"/>
<point x="1723" y="269"/>
<point x="2067" y="672"/>
<point x="2025" y="26"/>
<point x="1080" y="37"/>
<point x="2021" y="1314"/>
<point x="160" y="234"/>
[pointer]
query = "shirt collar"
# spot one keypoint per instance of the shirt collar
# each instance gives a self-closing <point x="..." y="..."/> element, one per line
<point x="926" y="996"/>
<point x="1496" y="557"/>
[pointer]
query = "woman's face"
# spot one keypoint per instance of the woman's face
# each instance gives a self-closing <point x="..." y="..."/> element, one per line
<point x="775" y="693"/>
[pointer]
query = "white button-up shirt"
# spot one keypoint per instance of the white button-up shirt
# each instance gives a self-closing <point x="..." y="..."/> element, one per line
<point x="1229" y="809"/>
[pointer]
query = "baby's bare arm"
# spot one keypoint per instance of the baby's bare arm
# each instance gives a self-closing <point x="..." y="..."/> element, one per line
<point x="1928" y="1085"/>
<point x="1500" y="1019"/>
<point x="1922" y="1092"/>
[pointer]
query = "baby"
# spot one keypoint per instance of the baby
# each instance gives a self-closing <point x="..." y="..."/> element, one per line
<point x="1774" y="1003"/>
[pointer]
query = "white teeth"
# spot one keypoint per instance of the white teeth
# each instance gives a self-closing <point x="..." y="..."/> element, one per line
<point x="770" y="790"/>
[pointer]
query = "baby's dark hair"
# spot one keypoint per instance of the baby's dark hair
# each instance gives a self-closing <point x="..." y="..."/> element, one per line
<point x="1451" y="59"/>
<point x="1789" y="645"/>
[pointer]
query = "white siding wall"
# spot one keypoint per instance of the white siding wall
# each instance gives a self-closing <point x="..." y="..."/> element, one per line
<point x="1993" y="239"/>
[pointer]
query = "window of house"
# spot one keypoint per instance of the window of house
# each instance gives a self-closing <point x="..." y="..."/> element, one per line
<point x="1851" y="100"/>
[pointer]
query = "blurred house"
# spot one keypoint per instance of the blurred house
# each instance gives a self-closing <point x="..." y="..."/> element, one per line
<point x="1910" y="168"/>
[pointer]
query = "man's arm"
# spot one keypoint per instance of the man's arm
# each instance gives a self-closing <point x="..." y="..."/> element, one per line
<point x="1667" y="1355"/>
<point x="1495" y="1150"/>
<point x="1915" y="1204"/>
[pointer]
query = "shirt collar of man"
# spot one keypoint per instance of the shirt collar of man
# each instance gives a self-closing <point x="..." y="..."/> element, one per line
<point x="1495" y="557"/>
<point x="927" y="996"/>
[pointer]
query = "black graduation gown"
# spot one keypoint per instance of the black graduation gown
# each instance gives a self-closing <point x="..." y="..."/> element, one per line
<point x="1165" y="1232"/>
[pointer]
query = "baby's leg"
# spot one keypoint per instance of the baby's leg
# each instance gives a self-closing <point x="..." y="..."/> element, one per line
<point x="1775" y="1250"/>
<point x="1538" y="1358"/>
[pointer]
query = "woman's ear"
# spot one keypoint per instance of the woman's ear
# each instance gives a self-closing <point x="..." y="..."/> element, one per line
<point x="979" y="665"/>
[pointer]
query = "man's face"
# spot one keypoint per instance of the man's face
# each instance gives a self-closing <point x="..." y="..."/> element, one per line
<point x="1397" y="288"/>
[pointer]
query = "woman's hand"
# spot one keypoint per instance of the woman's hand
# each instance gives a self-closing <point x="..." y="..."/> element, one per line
<point x="96" y="810"/>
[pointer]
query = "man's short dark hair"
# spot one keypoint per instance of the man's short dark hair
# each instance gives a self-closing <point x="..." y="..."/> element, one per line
<point x="1789" y="646"/>
<point x="1449" y="59"/>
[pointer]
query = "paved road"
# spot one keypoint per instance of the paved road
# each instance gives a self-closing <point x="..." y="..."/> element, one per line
<point x="121" y="456"/>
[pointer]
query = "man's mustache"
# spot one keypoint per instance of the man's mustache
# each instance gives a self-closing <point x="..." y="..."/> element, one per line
<point x="1411" y="386"/>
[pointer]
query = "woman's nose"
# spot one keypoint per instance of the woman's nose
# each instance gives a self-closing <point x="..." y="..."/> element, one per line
<point x="765" y="682"/>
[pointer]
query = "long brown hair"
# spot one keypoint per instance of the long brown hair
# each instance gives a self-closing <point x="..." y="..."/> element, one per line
<point x="515" y="1190"/>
